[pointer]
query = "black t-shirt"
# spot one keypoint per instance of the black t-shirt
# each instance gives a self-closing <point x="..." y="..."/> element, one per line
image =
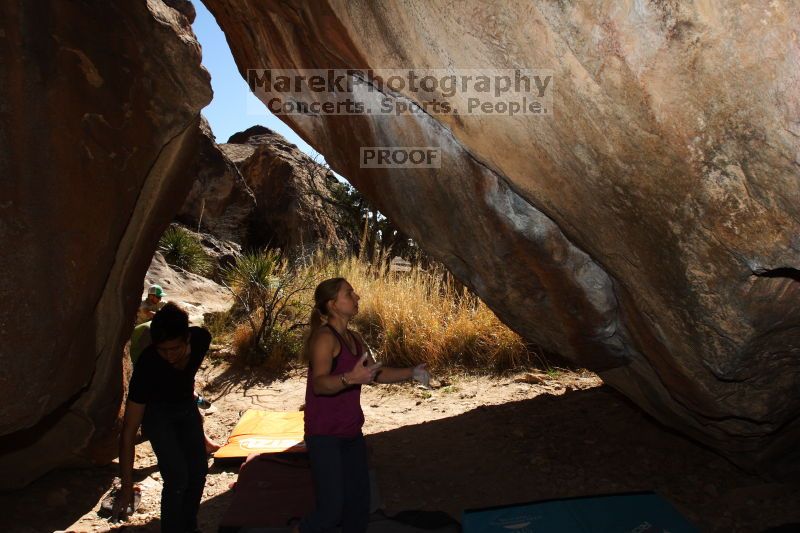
<point x="155" y="380"/>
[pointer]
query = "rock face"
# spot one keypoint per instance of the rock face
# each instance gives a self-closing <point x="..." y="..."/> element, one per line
<point x="272" y="194"/>
<point x="195" y="294"/>
<point x="220" y="199"/>
<point x="99" y="122"/>
<point x="646" y="229"/>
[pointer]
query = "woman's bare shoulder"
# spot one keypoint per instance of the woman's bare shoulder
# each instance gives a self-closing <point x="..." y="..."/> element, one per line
<point x="324" y="337"/>
<point x="323" y="348"/>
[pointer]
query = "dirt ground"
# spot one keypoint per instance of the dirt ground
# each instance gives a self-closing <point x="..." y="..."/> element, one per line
<point x="471" y="442"/>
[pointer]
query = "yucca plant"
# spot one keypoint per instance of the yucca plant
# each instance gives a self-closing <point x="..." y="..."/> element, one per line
<point x="183" y="250"/>
<point x="272" y="292"/>
<point x="254" y="273"/>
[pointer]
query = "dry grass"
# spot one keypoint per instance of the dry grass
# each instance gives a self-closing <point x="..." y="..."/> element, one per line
<point x="426" y="317"/>
<point x="421" y="316"/>
<point x="242" y="341"/>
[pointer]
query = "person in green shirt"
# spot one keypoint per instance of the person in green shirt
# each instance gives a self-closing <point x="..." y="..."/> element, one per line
<point x="140" y="339"/>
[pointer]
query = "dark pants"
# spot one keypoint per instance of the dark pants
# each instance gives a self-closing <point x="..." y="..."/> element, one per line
<point x="341" y="484"/>
<point x="176" y="433"/>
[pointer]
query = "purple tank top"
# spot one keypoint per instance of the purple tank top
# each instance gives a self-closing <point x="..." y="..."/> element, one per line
<point x="338" y="415"/>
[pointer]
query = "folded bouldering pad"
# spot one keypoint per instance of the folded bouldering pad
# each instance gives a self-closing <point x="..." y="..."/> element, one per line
<point x="641" y="512"/>
<point x="272" y="489"/>
<point x="269" y="491"/>
<point x="265" y="432"/>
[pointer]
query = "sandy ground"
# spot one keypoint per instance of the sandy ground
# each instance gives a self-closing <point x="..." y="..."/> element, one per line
<point x="470" y="442"/>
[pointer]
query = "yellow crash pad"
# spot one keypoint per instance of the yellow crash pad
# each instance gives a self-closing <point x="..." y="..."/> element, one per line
<point x="265" y="432"/>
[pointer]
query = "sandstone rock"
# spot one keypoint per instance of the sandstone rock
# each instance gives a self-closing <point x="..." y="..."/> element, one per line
<point x="647" y="229"/>
<point x="270" y="195"/>
<point x="220" y="200"/>
<point x="99" y="122"/>
<point x="222" y="253"/>
<point x="184" y="7"/>
<point x="195" y="294"/>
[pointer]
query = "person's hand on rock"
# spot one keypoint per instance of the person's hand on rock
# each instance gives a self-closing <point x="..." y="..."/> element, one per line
<point x="123" y="503"/>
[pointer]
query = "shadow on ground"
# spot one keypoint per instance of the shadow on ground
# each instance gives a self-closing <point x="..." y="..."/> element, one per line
<point x="584" y="442"/>
<point x="240" y="376"/>
<point x="54" y="501"/>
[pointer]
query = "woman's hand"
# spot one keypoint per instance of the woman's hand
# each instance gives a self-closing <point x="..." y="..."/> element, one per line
<point x="362" y="373"/>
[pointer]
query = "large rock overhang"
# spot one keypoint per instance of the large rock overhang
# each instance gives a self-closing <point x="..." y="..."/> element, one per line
<point x="647" y="229"/>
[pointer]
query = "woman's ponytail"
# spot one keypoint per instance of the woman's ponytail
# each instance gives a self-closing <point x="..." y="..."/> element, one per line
<point x="325" y="292"/>
<point x="316" y="319"/>
<point x="314" y="322"/>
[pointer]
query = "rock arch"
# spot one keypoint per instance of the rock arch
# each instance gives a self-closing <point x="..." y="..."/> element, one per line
<point x="623" y="232"/>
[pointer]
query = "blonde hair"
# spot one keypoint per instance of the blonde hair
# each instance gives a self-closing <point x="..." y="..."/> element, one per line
<point x="325" y="292"/>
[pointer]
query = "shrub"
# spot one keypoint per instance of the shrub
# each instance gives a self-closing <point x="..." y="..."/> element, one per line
<point x="220" y="324"/>
<point x="253" y="275"/>
<point x="183" y="250"/>
<point x="243" y="344"/>
<point x="272" y="293"/>
<point x="421" y="316"/>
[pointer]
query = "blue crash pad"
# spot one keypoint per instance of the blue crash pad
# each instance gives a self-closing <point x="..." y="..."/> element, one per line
<point x="641" y="512"/>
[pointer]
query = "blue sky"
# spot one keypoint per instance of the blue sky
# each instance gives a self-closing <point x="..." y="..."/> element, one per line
<point x="227" y="112"/>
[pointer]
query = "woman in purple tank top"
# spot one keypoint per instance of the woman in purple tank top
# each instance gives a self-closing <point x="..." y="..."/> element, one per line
<point x="339" y="363"/>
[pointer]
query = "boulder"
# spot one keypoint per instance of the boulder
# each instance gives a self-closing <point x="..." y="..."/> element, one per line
<point x="646" y="227"/>
<point x="99" y="123"/>
<point x="220" y="201"/>
<point x="272" y="194"/>
<point x="195" y="294"/>
<point x="184" y="7"/>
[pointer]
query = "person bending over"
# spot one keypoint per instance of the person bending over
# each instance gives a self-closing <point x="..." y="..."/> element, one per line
<point x="140" y="339"/>
<point x="161" y="399"/>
